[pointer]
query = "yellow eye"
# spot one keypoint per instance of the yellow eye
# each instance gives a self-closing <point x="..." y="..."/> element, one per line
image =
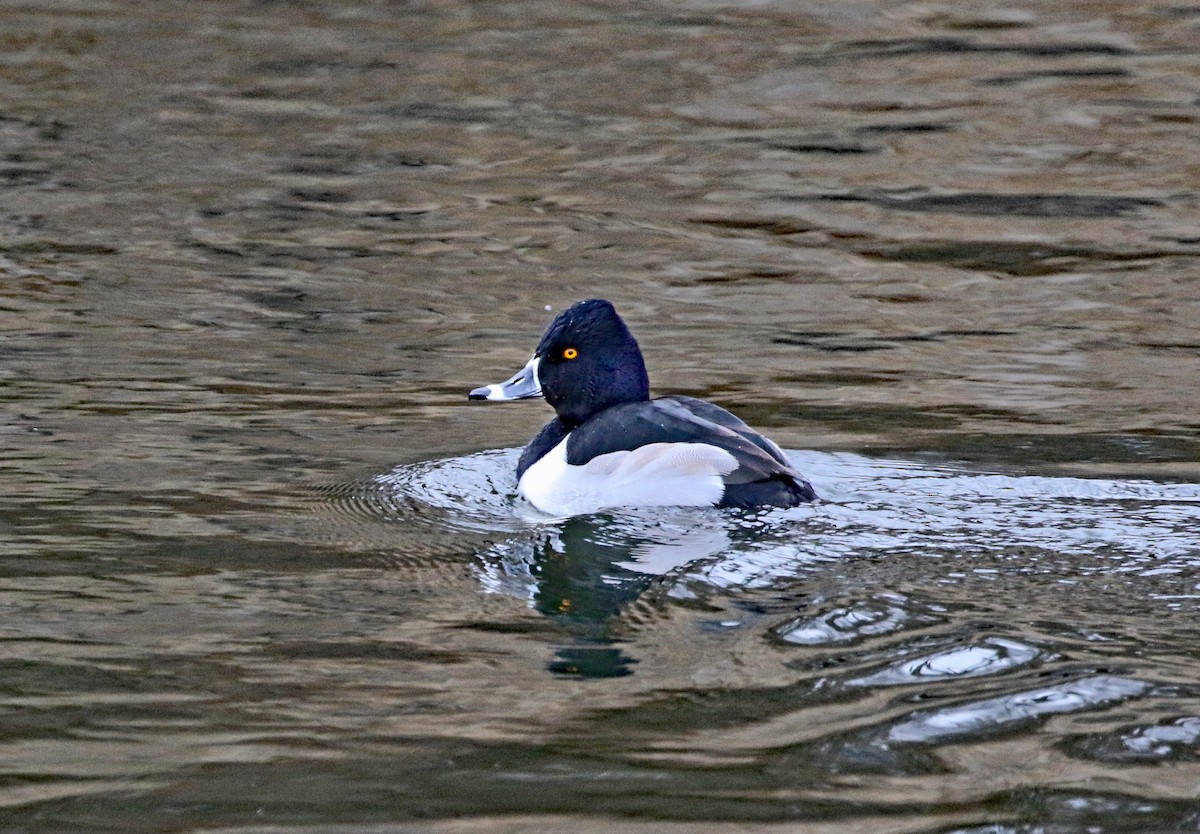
<point x="570" y="353"/>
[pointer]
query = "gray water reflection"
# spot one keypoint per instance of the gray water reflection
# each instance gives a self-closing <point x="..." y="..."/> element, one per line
<point x="260" y="572"/>
<point x="997" y="713"/>
<point x="988" y="657"/>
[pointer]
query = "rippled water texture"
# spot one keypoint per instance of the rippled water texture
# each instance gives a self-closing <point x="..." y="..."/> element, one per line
<point x="261" y="564"/>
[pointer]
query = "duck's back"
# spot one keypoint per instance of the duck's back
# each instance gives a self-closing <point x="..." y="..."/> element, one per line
<point x="761" y="474"/>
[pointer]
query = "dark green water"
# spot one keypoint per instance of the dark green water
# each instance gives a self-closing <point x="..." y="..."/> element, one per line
<point x="261" y="566"/>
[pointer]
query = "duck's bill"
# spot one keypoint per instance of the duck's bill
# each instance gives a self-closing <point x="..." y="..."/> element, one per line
<point x="524" y="384"/>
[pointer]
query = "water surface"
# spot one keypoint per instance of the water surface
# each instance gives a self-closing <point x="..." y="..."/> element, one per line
<point x="263" y="567"/>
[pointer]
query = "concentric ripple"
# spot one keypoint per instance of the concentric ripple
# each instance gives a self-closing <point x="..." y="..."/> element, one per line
<point x="868" y="508"/>
<point x="987" y="657"/>
<point x="476" y="492"/>
<point x="882" y="614"/>
<point x="992" y="714"/>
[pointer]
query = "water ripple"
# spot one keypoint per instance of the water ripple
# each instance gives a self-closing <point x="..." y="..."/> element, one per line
<point x="1175" y="739"/>
<point x="982" y="717"/>
<point x="869" y="507"/>
<point x="883" y="614"/>
<point x="987" y="657"/>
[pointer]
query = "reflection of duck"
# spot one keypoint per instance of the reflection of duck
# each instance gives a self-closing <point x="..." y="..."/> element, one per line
<point x="610" y="445"/>
<point x="583" y="579"/>
<point x="574" y="577"/>
<point x="584" y="570"/>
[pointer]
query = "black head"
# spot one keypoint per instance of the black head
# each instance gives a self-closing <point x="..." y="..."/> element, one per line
<point x="588" y="361"/>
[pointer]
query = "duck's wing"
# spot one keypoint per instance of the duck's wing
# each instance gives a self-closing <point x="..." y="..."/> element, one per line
<point x="630" y="426"/>
<point x="718" y="415"/>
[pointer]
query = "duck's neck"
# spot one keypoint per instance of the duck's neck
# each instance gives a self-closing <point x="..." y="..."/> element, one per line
<point x="550" y="436"/>
<point x="627" y="383"/>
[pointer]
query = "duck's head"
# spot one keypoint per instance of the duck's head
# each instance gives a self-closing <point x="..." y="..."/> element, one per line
<point x="587" y="361"/>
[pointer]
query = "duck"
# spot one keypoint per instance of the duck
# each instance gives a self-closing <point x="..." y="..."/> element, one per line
<point x="611" y="446"/>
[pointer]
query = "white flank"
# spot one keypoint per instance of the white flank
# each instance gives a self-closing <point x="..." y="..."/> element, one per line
<point x="656" y="475"/>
